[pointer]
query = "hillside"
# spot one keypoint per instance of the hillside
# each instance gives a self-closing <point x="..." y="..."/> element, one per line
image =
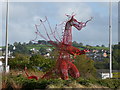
<point x="38" y="46"/>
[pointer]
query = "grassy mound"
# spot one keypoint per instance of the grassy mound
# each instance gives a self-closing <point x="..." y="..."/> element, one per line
<point x="21" y="82"/>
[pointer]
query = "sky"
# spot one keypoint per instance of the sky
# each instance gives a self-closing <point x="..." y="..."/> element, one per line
<point x="119" y="22"/>
<point x="24" y="15"/>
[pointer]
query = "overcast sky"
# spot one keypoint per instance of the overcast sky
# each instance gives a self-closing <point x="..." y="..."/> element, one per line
<point x="24" y="15"/>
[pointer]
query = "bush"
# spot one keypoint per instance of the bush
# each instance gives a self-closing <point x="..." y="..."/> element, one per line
<point x="15" y="82"/>
<point x="83" y="81"/>
<point x="111" y="83"/>
<point x="85" y="66"/>
<point x="42" y="62"/>
<point x="20" y="61"/>
<point x="39" y="84"/>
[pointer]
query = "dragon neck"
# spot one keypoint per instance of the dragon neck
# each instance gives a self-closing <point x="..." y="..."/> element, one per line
<point x="67" y="36"/>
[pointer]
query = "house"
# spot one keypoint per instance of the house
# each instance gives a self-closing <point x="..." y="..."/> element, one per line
<point x="47" y="54"/>
<point x="49" y="49"/>
<point x="2" y="57"/>
<point x="33" y="50"/>
<point x="104" y="73"/>
<point x="1" y="66"/>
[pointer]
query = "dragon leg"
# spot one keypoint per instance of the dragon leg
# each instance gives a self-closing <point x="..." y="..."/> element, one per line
<point x="73" y="71"/>
<point x="64" y="70"/>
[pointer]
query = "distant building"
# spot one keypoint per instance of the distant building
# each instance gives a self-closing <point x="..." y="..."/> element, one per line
<point x="104" y="73"/>
<point x="1" y="67"/>
<point x="14" y="48"/>
<point x="47" y="55"/>
<point x="2" y="57"/>
<point x="104" y="54"/>
<point x="33" y="50"/>
<point x="49" y="49"/>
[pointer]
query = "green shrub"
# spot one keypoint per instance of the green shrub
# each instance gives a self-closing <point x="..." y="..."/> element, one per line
<point x="42" y="62"/>
<point x="83" y="81"/>
<point x="13" y="82"/>
<point x="20" y="61"/>
<point x="42" y="84"/>
<point x="29" y="84"/>
<point x="85" y="66"/>
<point x="111" y="83"/>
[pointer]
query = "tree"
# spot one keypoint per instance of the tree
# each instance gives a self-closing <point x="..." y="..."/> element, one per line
<point x="30" y="43"/>
<point x="20" y="48"/>
<point x="86" y="66"/>
<point x="54" y="54"/>
<point x="102" y="64"/>
<point x="43" y="51"/>
<point x="41" y="42"/>
<point x="88" y="46"/>
<point x="75" y="44"/>
<point x="24" y="43"/>
<point x="15" y="44"/>
<point x="42" y="62"/>
<point x="10" y="47"/>
<point x="22" y="60"/>
<point x="97" y="46"/>
<point x="118" y="43"/>
<point x="116" y="56"/>
<point x="80" y="44"/>
<point x="19" y="62"/>
<point x="102" y="45"/>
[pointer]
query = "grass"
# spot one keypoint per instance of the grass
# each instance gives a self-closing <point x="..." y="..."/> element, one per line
<point x="2" y="46"/>
<point x="37" y="46"/>
<point x="116" y="75"/>
<point x="0" y="80"/>
<point x="17" y="79"/>
<point x="30" y="72"/>
<point x="81" y="48"/>
<point x="98" y="48"/>
<point x="47" y="46"/>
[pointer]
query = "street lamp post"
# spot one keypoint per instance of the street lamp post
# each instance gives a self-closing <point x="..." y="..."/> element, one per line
<point x="6" y="42"/>
<point x="110" y="38"/>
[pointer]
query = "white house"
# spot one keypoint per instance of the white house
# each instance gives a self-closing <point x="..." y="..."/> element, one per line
<point x="49" y="49"/>
<point x="105" y="75"/>
<point x="1" y="67"/>
<point x="1" y="57"/>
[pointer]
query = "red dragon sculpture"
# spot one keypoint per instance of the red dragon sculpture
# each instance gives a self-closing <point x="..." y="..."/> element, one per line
<point x="64" y="65"/>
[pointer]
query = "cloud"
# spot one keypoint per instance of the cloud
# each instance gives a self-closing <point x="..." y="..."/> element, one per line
<point x="94" y="32"/>
<point x="23" y="16"/>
